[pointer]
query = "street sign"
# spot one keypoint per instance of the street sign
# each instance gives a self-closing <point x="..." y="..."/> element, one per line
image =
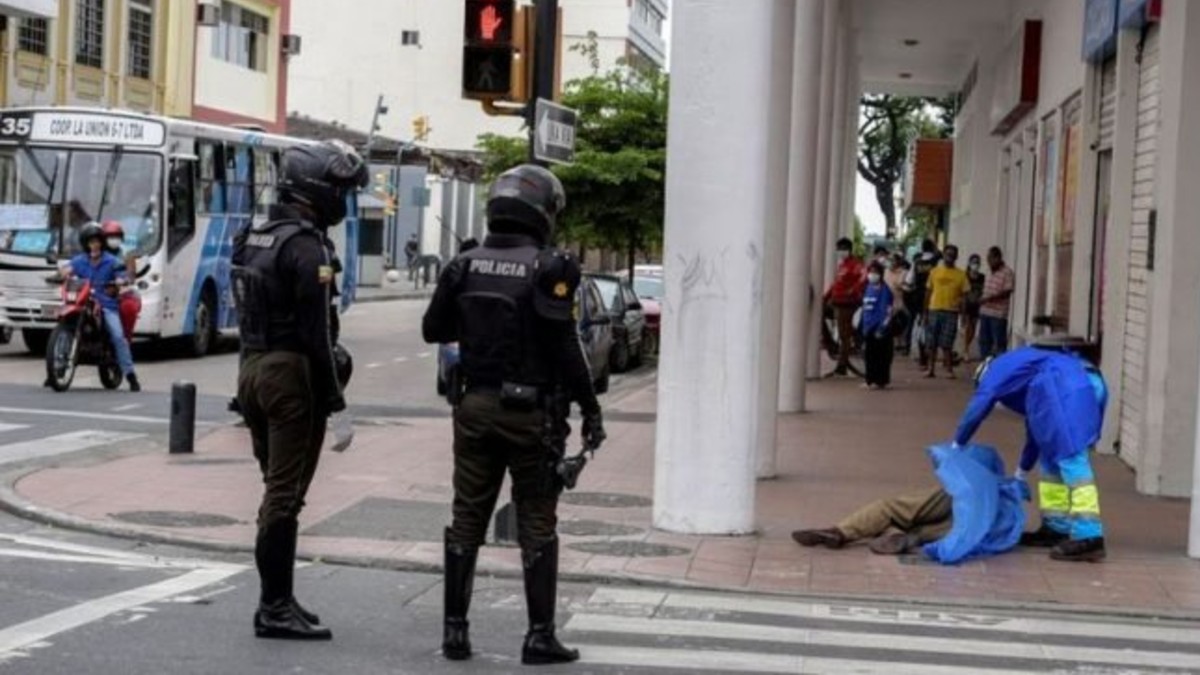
<point x="554" y="133"/>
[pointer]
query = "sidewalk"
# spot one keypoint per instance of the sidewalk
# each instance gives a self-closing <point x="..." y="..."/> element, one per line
<point x="385" y="502"/>
<point x="401" y="290"/>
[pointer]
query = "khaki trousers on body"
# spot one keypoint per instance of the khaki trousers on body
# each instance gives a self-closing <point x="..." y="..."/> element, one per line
<point x="925" y="513"/>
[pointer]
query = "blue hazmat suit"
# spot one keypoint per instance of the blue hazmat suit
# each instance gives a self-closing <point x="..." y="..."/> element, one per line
<point x="987" y="505"/>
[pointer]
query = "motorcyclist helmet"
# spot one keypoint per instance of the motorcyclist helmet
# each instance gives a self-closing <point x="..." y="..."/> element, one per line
<point x="321" y="177"/>
<point x="526" y="200"/>
<point x="114" y="235"/>
<point x="90" y="230"/>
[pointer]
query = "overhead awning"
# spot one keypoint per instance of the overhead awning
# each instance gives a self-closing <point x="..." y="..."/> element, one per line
<point x="30" y="9"/>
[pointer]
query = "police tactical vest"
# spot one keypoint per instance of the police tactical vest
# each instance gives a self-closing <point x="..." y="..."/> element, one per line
<point x="499" y="340"/>
<point x="264" y="298"/>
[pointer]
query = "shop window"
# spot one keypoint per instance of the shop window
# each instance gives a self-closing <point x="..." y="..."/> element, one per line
<point x="89" y="33"/>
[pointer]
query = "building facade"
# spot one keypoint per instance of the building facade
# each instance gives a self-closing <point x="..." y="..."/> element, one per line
<point x="151" y="56"/>
<point x="1072" y="152"/>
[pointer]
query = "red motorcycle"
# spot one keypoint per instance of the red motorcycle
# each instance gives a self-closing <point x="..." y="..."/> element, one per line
<point x="80" y="337"/>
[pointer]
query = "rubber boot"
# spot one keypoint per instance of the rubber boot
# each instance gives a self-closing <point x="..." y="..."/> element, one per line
<point x="459" y="583"/>
<point x="1043" y="537"/>
<point x="541" y="595"/>
<point x="1080" y="550"/>
<point x="278" y="616"/>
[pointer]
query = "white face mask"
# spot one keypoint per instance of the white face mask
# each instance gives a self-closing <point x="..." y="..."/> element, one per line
<point x="113" y="242"/>
<point x="873" y="278"/>
<point x="974" y="267"/>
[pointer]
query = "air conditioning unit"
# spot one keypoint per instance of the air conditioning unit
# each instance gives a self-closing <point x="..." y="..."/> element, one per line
<point x="208" y="14"/>
<point x="291" y="45"/>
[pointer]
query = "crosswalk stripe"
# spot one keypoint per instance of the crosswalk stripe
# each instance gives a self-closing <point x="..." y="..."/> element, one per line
<point x="911" y="617"/>
<point x="61" y="444"/>
<point x="600" y="623"/>
<point x="12" y="427"/>
<point x="754" y="662"/>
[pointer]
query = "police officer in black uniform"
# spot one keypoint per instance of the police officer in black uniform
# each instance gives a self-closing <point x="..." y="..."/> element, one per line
<point x="509" y="304"/>
<point x="288" y="385"/>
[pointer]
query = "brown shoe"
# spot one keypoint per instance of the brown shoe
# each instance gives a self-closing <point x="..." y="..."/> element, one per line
<point x="829" y="538"/>
<point x="894" y="543"/>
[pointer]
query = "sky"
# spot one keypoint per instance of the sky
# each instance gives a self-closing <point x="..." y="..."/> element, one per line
<point x="867" y="208"/>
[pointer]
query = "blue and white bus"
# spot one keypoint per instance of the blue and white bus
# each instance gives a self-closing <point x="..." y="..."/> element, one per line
<point x="180" y="189"/>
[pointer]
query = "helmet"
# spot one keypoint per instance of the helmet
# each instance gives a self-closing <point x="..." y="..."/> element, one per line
<point x="343" y="363"/>
<point x="981" y="371"/>
<point x="112" y="228"/>
<point x="90" y="230"/>
<point x="320" y="177"/>
<point x="526" y="199"/>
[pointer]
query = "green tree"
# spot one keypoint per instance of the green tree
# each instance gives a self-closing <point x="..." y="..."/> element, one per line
<point x="615" y="188"/>
<point x="887" y="125"/>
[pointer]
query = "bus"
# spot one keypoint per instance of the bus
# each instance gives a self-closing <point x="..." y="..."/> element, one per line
<point x="180" y="189"/>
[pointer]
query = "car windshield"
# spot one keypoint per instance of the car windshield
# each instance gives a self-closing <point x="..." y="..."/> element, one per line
<point x="610" y="291"/>
<point x="47" y="194"/>
<point x="648" y="287"/>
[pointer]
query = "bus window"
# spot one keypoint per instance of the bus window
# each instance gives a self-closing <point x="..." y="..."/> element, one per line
<point x="238" y="177"/>
<point x="266" y="170"/>
<point x="212" y="176"/>
<point x="182" y="207"/>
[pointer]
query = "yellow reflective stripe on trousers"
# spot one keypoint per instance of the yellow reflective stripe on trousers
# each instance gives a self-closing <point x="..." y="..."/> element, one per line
<point x="1054" y="497"/>
<point x="1085" y="501"/>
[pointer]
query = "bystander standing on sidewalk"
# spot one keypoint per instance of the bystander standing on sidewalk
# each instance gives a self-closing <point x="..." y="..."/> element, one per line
<point x="917" y="297"/>
<point x="947" y="293"/>
<point x="845" y="295"/>
<point x="895" y="277"/>
<point x="995" y="305"/>
<point x="971" y="309"/>
<point x="876" y="328"/>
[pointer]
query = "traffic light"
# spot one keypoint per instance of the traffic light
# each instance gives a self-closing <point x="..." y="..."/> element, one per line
<point x="420" y="126"/>
<point x="497" y="62"/>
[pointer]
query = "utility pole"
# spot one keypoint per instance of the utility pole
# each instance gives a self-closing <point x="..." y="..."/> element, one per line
<point x="545" y="54"/>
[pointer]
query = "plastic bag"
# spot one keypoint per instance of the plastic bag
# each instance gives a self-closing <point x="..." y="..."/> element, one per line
<point x="988" y="513"/>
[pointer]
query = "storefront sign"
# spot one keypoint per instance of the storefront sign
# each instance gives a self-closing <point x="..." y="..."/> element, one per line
<point x="1100" y="30"/>
<point x="83" y="128"/>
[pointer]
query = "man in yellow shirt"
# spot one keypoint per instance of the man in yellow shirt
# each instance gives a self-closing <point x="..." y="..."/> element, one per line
<point x="945" y="297"/>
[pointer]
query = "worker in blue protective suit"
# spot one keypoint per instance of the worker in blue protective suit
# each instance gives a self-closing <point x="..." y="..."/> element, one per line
<point x="1062" y="398"/>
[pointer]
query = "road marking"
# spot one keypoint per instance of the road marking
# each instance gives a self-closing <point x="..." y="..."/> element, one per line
<point x="109" y="417"/>
<point x="718" y="630"/>
<point x="909" y="617"/>
<point x="127" y="407"/>
<point x="373" y="366"/>
<point x="757" y="662"/>
<point x="401" y="359"/>
<point x="424" y="355"/>
<point x="61" y="444"/>
<point x="12" y="427"/>
<point x="41" y="629"/>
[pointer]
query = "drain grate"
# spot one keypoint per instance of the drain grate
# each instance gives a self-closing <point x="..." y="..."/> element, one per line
<point x="606" y="500"/>
<point x="629" y="549"/>
<point x="597" y="528"/>
<point x="175" y="519"/>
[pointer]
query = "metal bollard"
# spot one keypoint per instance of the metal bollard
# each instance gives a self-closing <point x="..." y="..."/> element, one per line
<point x="183" y="418"/>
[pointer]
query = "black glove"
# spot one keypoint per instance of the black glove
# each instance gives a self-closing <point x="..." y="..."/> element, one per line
<point x="336" y="403"/>
<point x="593" y="430"/>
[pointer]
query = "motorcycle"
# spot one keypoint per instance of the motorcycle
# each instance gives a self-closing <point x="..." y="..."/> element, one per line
<point x="80" y="337"/>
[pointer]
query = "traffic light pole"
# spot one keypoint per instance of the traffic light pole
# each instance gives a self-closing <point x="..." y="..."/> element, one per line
<point x="545" y="55"/>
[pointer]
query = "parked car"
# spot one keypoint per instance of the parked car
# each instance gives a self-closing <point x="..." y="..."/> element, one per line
<point x="595" y="333"/>
<point x="628" y="321"/>
<point x="649" y="290"/>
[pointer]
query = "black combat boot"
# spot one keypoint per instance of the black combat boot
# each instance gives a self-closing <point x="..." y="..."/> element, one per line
<point x="279" y="616"/>
<point x="459" y="584"/>
<point x="541" y="590"/>
<point x="1080" y="550"/>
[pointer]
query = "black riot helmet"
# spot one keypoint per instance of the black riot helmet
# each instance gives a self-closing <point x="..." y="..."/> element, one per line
<point x="320" y="177"/>
<point x="526" y="200"/>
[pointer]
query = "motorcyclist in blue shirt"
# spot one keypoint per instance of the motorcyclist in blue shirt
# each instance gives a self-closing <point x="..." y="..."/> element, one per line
<point x="105" y="272"/>
<point x="1062" y="398"/>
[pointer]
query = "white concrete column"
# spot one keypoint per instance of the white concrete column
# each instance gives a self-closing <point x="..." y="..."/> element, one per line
<point x="718" y="151"/>
<point x="801" y="189"/>
<point x="818" y="217"/>
<point x="834" y="216"/>
<point x="776" y="187"/>
<point x="850" y="168"/>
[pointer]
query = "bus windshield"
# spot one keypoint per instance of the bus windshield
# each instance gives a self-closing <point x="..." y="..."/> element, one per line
<point x="47" y="194"/>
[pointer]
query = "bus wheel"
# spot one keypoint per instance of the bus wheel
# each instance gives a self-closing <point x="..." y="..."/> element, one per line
<point x="35" y="340"/>
<point x="204" y="333"/>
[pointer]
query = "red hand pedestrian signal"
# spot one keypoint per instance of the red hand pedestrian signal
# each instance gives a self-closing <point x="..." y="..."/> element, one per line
<point x="489" y="22"/>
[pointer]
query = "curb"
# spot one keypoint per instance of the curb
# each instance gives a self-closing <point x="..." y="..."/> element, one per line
<point x="18" y="506"/>
<point x="402" y="295"/>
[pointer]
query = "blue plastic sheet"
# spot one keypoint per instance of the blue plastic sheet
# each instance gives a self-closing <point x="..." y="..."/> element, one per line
<point x="988" y="512"/>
